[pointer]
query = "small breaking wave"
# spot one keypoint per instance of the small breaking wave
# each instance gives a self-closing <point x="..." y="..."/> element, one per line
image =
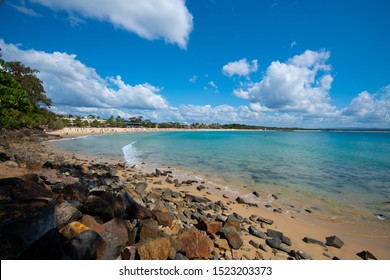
<point x="131" y="154"/>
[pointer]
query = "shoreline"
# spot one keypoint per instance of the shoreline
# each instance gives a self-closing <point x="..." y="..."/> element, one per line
<point x="299" y="223"/>
<point x="296" y="227"/>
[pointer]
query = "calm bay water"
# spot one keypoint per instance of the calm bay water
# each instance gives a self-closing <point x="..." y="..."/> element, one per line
<point x="319" y="168"/>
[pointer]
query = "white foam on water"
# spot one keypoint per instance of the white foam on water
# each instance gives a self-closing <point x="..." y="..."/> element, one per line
<point x="131" y="154"/>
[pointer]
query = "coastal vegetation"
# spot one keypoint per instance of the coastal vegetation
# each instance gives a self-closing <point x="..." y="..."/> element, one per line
<point x="23" y="102"/>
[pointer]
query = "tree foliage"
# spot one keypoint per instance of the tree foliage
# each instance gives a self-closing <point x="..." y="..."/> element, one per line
<point x="22" y="96"/>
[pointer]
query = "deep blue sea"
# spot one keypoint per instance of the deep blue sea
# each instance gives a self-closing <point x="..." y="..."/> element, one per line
<point x="323" y="170"/>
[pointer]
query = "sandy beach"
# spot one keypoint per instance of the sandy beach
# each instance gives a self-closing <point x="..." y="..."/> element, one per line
<point x="69" y="132"/>
<point x="295" y="226"/>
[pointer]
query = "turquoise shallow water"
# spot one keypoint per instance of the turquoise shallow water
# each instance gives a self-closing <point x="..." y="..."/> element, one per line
<point x="346" y="168"/>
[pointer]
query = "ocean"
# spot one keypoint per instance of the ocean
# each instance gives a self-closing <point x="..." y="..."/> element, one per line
<point x="339" y="174"/>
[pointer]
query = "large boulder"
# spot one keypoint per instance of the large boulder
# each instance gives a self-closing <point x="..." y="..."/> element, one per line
<point x="155" y="249"/>
<point x="48" y="247"/>
<point x="117" y="226"/>
<point x="91" y="222"/>
<point x="88" y="245"/>
<point x="195" y="245"/>
<point x="75" y="191"/>
<point x="114" y="245"/>
<point x="73" y="229"/>
<point x="232" y="237"/>
<point x="134" y="209"/>
<point x="148" y="229"/>
<point x="210" y="226"/>
<point x="27" y="187"/>
<point x="99" y="206"/>
<point x="164" y="218"/>
<point x="66" y="213"/>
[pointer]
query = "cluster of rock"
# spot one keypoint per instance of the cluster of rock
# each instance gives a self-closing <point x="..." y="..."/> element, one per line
<point x="98" y="216"/>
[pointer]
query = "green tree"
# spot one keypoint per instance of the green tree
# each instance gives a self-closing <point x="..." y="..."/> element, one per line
<point x="14" y="100"/>
<point x="110" y="121"/>
<point x="27" y="78"/>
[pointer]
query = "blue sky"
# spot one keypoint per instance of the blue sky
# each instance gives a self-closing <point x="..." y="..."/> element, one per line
<point x="270" y="62"/>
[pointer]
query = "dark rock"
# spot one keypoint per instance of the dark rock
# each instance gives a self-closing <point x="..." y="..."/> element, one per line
<point x="4" y="157"/>
<point x="263" y="247"/>
<point x="66" y="213"/>
<point x="76" y="191"/>
<point x="155" y="249"/>
<point x="180" y="257"/>
<point x="238" y="217"/>
<point x="232" y="237"/>
<point x="157" y="183"/>
<point x="140" y="188"/>
<point x="303" y="255"/>
<point x="273" y="243"/>
<point x="366" y="255"/>
<point x="48" y="247"/>
<point x="313" y="241"/>
<point x="285" y="248"/>
<point x="197" y="199"/>
<point x="255" y="193"/>
<point x="275" y="196"/>
<point x="286" y="240"/>
<point x="96" y="205"/>
<point x="88" y="245"/>
<point x="264" y="220"/>
<point x="254" y="231"/>
<point x="274" y="234"/>
<point x="129" y="253"/>
<point x="195" y="245"/>
<point x="134" y="209"/>
<point x="133" y="235"/>
<point x="254" y="244"/>
<point x="170" y="180"/>
<point x="27" y="187"/>
<point x="188" y="213"/>
<point x="114" y="244"/>
<point x="198" y="216"/>
<point x="334" y="241"/>
<point x="200" y="187"/>
<point x="242" y="200"/>
<point x="220" y="204"/>
<point x="117" y="226"/>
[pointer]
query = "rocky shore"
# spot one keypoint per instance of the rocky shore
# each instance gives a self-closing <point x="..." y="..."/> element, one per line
<point x="54" y="206"/>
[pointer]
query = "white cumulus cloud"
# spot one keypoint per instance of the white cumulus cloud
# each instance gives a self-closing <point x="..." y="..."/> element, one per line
<point x="150" y="19"/>
<point x="240" y="68"/>
<point x="69" y="82"/>
<point x="301" y="84"/>
<point x="367" y="107"/>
